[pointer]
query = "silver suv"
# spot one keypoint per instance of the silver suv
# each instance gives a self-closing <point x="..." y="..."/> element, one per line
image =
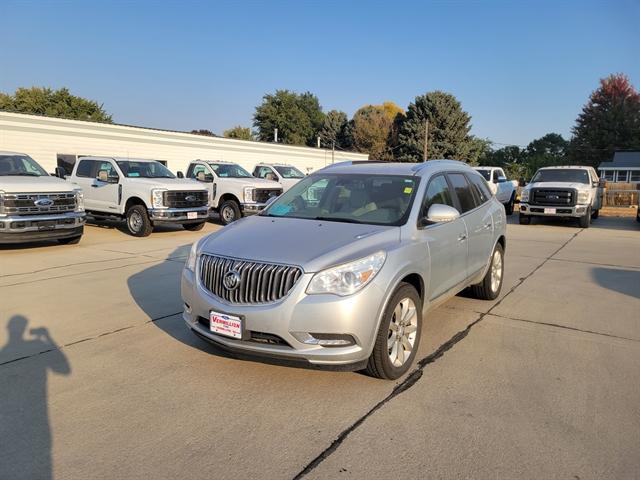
<point x="340" y="269"/>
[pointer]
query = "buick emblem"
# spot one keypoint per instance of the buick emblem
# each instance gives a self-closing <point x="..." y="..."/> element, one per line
<point x="43" y="202"/>
<point x="231" y="280"/>
<point x="190" y="198"/>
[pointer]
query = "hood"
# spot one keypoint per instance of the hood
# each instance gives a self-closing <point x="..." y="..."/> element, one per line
<point x="249" y="182"/>
<point x="44" y="184"/>
<point x="287" y="183"/>
<point x="577" y="186"/>
<point x="169" y="183"/>
<point x="312" y="244"/>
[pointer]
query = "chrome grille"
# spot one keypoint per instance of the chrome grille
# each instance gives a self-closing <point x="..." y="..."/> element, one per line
<point x="24" y="203"/>
<point x="560" y="197"/>
<point x="259" y="282"/>
<point x="185" y="199"/>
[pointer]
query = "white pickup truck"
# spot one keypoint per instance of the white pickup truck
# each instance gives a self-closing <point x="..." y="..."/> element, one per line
<point x="36" y="206"/>
<point x="141" y="191"/>
<point x="567" y="191"/>
<point x="503" y="189"/>
<point x="234" y="192"/>
<point x="285" y="175"/>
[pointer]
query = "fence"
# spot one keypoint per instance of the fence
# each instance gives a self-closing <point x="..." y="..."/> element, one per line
<point x="620" y="198"/>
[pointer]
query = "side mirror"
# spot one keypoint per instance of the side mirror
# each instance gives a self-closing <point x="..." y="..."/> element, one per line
<point x="501" y="180"/>
<point x="179" y="174"/>
<point x="204" y="177"/>
<point x="60" y="173"/>
<point x="439" y="213"/>
<point x="103" y="176"/>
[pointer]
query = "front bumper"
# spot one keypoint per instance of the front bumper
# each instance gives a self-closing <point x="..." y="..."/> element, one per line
<point x="25" y="228"/>
<point x="553" y="210"/>
<point x="179" y="215"/>
<point x="357" y="315"/>
<point x="252" y="208"/>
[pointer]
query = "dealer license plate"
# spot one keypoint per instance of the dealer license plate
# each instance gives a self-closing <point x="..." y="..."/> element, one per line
<point x="192" y="215"/>
<point x="227" y="325"/>
<point x="549" y="210"/>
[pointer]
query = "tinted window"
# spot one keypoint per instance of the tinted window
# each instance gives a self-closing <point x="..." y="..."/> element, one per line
<point x="480" y="186"/>
<point x="229" y="170"/>
<point x="573" y="175"/>
<point x="147" y="169"/>
<point x="437" y="192"/>
<point x="290" y="172"/>
<point x="195" y="170"/>
<point x="486" y="174"/>
<point x="20" y="165"/>
<point x="85" y="169"/>
<point x="463" y="191"/>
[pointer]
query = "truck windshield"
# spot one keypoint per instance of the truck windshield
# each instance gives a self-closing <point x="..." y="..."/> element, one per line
<point x="289" y="172"/>
<point x="229" y="170"/>
<point x="133" y="169"/>
<point x="571" y="175"/>
<point x="486" y="174"/>
<point x="350" y="198"/>
<point x="20" y="165"/>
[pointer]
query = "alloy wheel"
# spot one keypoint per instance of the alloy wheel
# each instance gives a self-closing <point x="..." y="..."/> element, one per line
<point x="402" y="332"/>
<point x="496" y="271"/>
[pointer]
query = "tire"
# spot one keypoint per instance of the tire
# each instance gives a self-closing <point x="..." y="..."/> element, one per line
<point x="524" y="219"/>
<point x="508" y="207"/>
<point x="380" y="363"/>
<point x="193" y="227"/>
<point x="490" y="286"/>
<point x="595" y="214"/>
<point x="70" y="241"/>
<point x="229" y="212"/>
<point x="585" y="220"/>
<point x="138" y="222"/>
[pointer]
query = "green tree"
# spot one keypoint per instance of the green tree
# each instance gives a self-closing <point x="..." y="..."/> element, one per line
<point x="548" y="150"/>
<point x="239" y="132"/>
<point x="335" y="129"/>
<point x="449" y="128"/>
<point x="204" y="132"/>
<point x="53" y="103"/>
<point x="298" y="117"/>
<point x="609" y="121"/>
<point x="372" y="130"/>
<point x="510" y="158"/>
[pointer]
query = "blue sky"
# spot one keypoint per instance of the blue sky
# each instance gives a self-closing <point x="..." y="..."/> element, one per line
<point x="521" y="69"/>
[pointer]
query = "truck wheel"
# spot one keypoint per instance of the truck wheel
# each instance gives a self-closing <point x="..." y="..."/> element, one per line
<point x="508" y="207"/>
<point x="585" y="220"/>
<point x="70" y="240"/>
<point x="229" y="212"/>
<point x="595" y="214"/>
<point x="138" y="222"/>
<point x="491" y="284"/>
<point x="399" y="335"/>
<point x="193" y="227"/>
<point x="524" y="219"/>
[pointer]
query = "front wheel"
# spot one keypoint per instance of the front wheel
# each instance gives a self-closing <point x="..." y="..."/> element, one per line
<point x="138" y="222"/>
<point x="524" y="219"/>
<point x="491" y="284"/>
<point x="595" y="214"/>
<point x="585" y="220"/>
<point x="229" y="212"/>
<point x="193" y="227"/>
<point x="399" y="335"/>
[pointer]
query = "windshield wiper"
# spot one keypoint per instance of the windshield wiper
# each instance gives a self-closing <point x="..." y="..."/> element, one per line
<point x="22" y="174"/>
<point x="338" y="219"/>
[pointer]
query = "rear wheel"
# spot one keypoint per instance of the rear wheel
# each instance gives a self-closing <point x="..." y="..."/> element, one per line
<point x="229" y="212"/>
<point x="524" y="219"/>
<point x="399" y="335"/>
<point x="585" y="220"/>
<point x="595" y="214"/>
<point x="491" y="284"/>
<point x="508" y="207"/>
<point x="138" y="222"/>
<point x="193" y="227"/>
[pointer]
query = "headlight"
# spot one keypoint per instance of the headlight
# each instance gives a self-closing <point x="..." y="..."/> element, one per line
<point x="348" y="278"/>
<point x="156" y="197"/>
<point x="248" y="194"/>
<point x="191" y="259"/>
<point x="524" y="196"/>
<point x="79" y="200"/>
<point x="583" y="197"/>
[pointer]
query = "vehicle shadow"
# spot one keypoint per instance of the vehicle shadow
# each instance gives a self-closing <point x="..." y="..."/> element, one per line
<point x="619" y="280"/>
<point x="121" y="226"/>
<point x="616" y="223"/>
<point x="25" y="433"/>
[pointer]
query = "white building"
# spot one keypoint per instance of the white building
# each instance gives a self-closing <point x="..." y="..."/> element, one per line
<point x="58" y="142"/>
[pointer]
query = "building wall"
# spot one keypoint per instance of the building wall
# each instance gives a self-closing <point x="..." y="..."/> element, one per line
<point x="44" y="138"/>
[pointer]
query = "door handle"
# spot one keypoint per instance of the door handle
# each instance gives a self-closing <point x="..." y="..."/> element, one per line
<point x="487" y="226"/>
<point x="462" y="237"/>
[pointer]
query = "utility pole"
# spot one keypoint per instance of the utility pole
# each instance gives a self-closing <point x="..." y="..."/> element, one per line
<point x="275" y="135"/>
<point x="426" y="140"/>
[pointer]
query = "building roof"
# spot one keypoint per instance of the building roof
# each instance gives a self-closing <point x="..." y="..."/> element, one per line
<point x="623" y="160"/>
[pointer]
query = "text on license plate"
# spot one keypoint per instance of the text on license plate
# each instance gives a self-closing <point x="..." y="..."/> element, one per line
<point x="549" y="210"/>
<point x="192" y="215"/>
<point x="227" y="325"/>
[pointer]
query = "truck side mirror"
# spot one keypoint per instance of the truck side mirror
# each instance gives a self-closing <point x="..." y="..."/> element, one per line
<point x="180" y="174"/>
<point x="60" y="173"/>
<point x="103" y="176"/>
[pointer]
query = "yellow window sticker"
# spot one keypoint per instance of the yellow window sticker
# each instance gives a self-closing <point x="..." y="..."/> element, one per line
<point x="408" y="190"/>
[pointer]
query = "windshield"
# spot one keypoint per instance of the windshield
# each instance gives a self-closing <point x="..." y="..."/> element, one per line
<point x="20" y="165"/>
<point x="133" y="169"/>
<point x="229" y="170"/>
<point x="572" y="175"/>
<point x="352" y="198"/>
<point x="289" y="172"/>
<point x="486" y="174"/>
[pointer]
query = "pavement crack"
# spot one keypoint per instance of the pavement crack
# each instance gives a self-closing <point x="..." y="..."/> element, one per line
<point x="412" y="378"/>
<point x="64" y="266"/>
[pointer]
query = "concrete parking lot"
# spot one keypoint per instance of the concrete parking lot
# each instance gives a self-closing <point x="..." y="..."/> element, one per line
<point x="101" y="379"/>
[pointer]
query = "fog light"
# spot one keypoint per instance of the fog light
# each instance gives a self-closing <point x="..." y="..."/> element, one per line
<point x="324" y="339"/>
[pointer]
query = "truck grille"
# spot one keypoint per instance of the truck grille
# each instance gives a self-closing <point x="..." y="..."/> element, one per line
<point x="558" y="197"/>
<point x="179" y="199"/>
<point x="264" y="194"/>
<point x="257" y="282"/>
<point x="37" y="203"/>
